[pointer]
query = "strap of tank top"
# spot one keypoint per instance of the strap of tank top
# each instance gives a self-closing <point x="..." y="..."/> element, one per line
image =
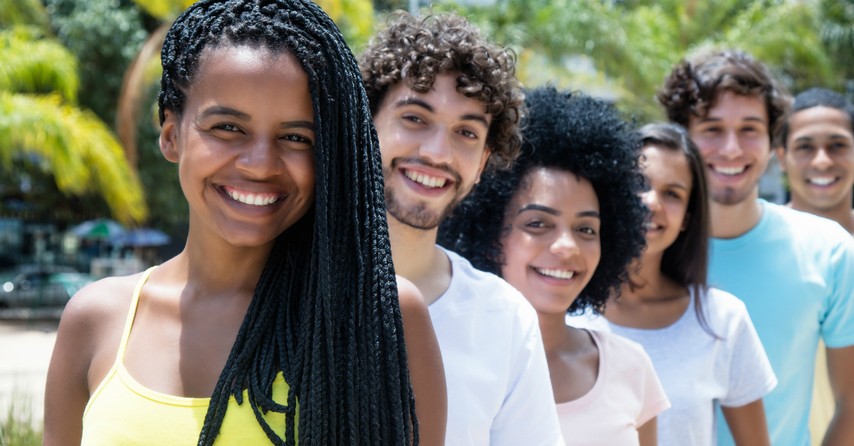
<point x="120" y="354"/>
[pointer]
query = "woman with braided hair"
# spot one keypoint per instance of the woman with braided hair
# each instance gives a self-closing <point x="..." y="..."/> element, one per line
<point x="281" y="319"/>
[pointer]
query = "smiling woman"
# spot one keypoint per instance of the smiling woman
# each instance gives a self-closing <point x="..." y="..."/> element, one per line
<point x="281" y="321"/>
<point x="561" y="226"/>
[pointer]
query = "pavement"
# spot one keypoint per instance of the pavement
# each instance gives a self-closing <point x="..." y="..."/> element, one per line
<point x="26" y="343"/>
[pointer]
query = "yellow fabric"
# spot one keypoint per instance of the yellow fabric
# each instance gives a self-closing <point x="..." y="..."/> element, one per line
<point x="121" y="411"/>
<point x="823" y="405"/>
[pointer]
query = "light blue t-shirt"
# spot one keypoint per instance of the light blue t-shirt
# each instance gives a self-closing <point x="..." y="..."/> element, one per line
<point x="795" y="273"/>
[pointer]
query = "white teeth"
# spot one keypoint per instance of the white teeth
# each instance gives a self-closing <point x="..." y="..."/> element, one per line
<point x="651" y="225"/>
<point x="425" y="180"/>
<point x="823" y="181"/>
<point x="729" y="170"/>
<point x="556" y="273"/>
<point x="253" y="199"/>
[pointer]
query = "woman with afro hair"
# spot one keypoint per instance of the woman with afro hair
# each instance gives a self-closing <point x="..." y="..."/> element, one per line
<point x="561" y="225"/>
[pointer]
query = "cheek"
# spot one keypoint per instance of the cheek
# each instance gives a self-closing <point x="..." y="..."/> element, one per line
<point x="706" y="146"/>
<point x="514" y="254"/>
<point x="301" y="168"/>
<point x="593" y="254"/>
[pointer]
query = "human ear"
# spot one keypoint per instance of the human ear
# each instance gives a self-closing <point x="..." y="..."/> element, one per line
<point x="169" y="136"/>
<point x="484" y="158"/>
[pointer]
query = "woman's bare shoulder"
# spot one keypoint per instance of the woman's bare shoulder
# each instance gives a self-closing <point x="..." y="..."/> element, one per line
<point x="102" y="299"/>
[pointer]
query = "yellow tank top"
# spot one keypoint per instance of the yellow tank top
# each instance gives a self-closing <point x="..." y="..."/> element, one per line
<point x="122" y="411"/>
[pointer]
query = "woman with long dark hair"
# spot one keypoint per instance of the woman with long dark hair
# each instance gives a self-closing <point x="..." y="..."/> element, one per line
<point x="280" y="319"/>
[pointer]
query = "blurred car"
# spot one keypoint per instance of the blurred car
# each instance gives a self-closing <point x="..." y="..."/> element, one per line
<point x="39" y="286"/>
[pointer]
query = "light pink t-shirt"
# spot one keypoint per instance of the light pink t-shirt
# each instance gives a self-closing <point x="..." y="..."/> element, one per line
<point x="626" y="395"/>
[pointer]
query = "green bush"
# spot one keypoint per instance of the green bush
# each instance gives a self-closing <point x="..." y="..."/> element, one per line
<point x="18" y="428"/>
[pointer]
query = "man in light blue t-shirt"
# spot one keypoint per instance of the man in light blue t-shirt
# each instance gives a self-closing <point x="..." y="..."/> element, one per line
<point x="793" y="270"/>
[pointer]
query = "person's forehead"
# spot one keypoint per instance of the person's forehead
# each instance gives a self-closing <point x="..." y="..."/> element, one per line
<point x="821" y="118"/>
<point x="729" y="106"/>
<point x="443" y="96"/>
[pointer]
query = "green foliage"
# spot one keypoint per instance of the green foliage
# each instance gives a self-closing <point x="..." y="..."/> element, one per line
<point x="165" y="10"/>
<point x="390" y="5"/>
<point x="29" y="63"/>
<point x="624" y="49"/>
<point x="104" y="36"/>
<point x="75" y="146"/>
<point x="837" y="34"/>
<point x="22" y="12"/>
<point x="52" y="150"/>
<point x="18" y="428"/>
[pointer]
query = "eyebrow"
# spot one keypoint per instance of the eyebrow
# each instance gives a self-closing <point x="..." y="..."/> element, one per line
<point x="423" y="104"/>
<point x="833" y="136"/>
<point x="677" y="185"/>
<point x="228" y="111"/>
<point x="220" y="110"/>
<point x="553" y="211"/>
<point x="749" y="118"/>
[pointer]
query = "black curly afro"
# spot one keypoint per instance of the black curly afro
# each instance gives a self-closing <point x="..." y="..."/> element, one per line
<point x="578" y="134"/>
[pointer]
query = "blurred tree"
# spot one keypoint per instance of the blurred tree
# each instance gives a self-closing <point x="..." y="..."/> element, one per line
<point x="355" y="18"/>
<point x="104" y="35"/>
<point x="42" y="128"/>
<point x="623" y="50"/>
<point x="391" y="5"/>
<point x="837" y="34"/>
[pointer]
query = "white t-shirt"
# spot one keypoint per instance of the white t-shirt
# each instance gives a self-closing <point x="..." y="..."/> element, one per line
<point x="499" y="392"/>
<point x="624" y="397"/>
<point x="699" y="372"/>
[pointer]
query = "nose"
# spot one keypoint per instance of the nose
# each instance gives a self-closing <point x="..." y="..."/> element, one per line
<point x="822" y="159"/>
<point x="437" y="147"/>
<point x="731" y="148"/>
<point x="564" y="244"/>
<point x="260" y="159"/>
<point x="650" y="199"/>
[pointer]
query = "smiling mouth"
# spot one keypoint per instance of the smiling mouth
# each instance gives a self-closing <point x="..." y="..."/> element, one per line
<point x="729" y="171"/>
<point x="822" y="181"/>
<point x="425" y="180"/>
<point x="555" y="273"/>
<point x="252" y="199"/>
<point x="650" y="226"/>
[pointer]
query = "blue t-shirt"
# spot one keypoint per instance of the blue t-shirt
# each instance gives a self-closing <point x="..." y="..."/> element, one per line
<point x="795" y="273"/>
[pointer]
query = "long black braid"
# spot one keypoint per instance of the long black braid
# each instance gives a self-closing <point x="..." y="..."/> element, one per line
<point x="325" y="312"/>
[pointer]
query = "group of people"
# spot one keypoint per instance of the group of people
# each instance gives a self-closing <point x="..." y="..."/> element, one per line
<point x="410" y="248"/>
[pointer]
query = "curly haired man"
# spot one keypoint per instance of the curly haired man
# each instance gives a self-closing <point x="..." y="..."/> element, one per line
<point x="447" y="105"/>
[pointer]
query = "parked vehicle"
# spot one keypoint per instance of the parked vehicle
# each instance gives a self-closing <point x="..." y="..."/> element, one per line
<point x="39" y="286"/>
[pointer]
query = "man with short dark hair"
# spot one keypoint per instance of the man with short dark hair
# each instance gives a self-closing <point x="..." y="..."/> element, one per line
<point x="817" y="154"/>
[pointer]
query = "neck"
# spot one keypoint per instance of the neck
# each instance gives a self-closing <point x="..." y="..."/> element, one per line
<point x="646" y="277"/>
<point x="842" y="213"/>
<point x="557" y="336"/>
<point x="417" y="258"/>
<point x="734" y="220"/>
<point x="213" y="268"/>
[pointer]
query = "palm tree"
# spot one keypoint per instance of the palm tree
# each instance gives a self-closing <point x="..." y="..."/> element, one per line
<point x="40" y="122"/>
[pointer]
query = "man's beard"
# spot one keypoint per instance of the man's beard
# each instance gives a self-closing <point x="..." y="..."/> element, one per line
<point x="418" y="216"/>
